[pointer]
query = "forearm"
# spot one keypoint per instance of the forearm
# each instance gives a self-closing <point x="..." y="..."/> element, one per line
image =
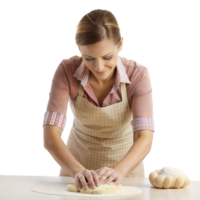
<point x="64" y="159"/>
<point x="60" y="153"/>
<point x="135" y="155"/>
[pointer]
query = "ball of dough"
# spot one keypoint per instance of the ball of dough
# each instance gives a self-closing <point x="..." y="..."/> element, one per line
<point x="101" y="189"/>
<point x="168" y="177"/>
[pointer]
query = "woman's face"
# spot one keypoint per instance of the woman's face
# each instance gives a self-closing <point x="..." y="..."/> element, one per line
<point x="101" y="56"/>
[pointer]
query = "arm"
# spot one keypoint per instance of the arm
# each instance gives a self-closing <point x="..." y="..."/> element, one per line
<point x="141" y="147"/>
<point x="142" y="105"/>
<point x="56" y="147"/>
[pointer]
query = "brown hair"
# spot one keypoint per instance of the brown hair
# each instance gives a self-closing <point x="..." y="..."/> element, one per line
<point x="98" y="25"/>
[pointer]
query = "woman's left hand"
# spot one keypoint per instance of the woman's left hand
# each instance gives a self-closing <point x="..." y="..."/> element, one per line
<point x="108" y="175"/>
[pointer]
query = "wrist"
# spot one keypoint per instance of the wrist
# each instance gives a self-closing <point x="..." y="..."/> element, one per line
<point x="119" y="171"/>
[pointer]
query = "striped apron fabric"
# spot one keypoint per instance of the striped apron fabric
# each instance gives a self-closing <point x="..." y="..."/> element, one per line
<point x="101" y="136"/>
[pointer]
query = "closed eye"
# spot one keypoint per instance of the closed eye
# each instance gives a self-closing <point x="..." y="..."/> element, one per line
<point x="105" y="58"/>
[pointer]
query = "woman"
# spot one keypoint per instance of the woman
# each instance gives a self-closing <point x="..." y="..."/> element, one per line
<point x="111" y="99"/>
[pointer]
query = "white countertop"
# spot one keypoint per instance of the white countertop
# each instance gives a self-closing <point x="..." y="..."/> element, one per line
<point x="19" y="187"/>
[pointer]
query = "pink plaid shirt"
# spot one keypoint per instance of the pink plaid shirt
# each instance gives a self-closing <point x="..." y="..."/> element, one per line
<point x="65" y="84"/>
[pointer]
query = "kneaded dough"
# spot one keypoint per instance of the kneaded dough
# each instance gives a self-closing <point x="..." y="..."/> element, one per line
<point x="102" y="189"/>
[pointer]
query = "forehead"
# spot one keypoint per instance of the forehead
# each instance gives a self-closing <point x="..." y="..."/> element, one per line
<point x="101" y="48"/>
<point x="101" y="44"/>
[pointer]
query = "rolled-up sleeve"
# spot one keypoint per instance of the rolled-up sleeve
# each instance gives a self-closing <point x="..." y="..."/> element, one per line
<point x="142" y="103"/>
<point x="142" y="123"/>
<point x="58" y="99"/>
<point x="54" y="118"/>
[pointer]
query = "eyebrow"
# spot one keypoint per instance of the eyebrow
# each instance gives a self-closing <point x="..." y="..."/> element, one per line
<point x="102" y="56"/>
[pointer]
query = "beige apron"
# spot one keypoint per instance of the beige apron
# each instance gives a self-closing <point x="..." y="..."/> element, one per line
<point x="101" y="136"/>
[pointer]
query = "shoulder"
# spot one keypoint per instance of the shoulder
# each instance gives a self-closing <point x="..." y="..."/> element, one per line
<point x="77" y="60"/>
<point x="71" y="64"/>
<point x="135" y="71"/>
<point x="132" y="63"/>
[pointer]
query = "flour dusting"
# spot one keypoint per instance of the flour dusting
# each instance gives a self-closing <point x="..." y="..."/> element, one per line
<point x="171" y="171"/>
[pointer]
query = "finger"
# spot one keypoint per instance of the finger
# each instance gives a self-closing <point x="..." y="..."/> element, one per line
<point x="111" y="178"/>
<point x="102" y="170"/>
<point x="78" y="182"/>
<point x="106" y="174"/>
<point x="117" y="182"/>
<point x="103" y="178"/>
<point x="97" y="175"/>
<point x="97" y="172"/>
<point x="95" y="178"/>
<point x="83" y="180"/>
<point x="89" y="177"/>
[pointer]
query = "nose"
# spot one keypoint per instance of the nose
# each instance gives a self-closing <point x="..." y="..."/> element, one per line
<point x="99" y="66"/>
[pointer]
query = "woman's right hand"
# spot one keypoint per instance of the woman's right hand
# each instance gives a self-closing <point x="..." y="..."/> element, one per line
<point x="84" y="176"/>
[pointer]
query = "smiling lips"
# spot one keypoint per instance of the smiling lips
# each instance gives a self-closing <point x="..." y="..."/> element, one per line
<point x="101" y="72"/>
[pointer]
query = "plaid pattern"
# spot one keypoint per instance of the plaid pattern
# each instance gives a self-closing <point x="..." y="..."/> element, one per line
<point x="56" y="119"/>
<point x="101" y="136"/>
<point x="141" y="123"/>
<point x="82" y="74"/>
